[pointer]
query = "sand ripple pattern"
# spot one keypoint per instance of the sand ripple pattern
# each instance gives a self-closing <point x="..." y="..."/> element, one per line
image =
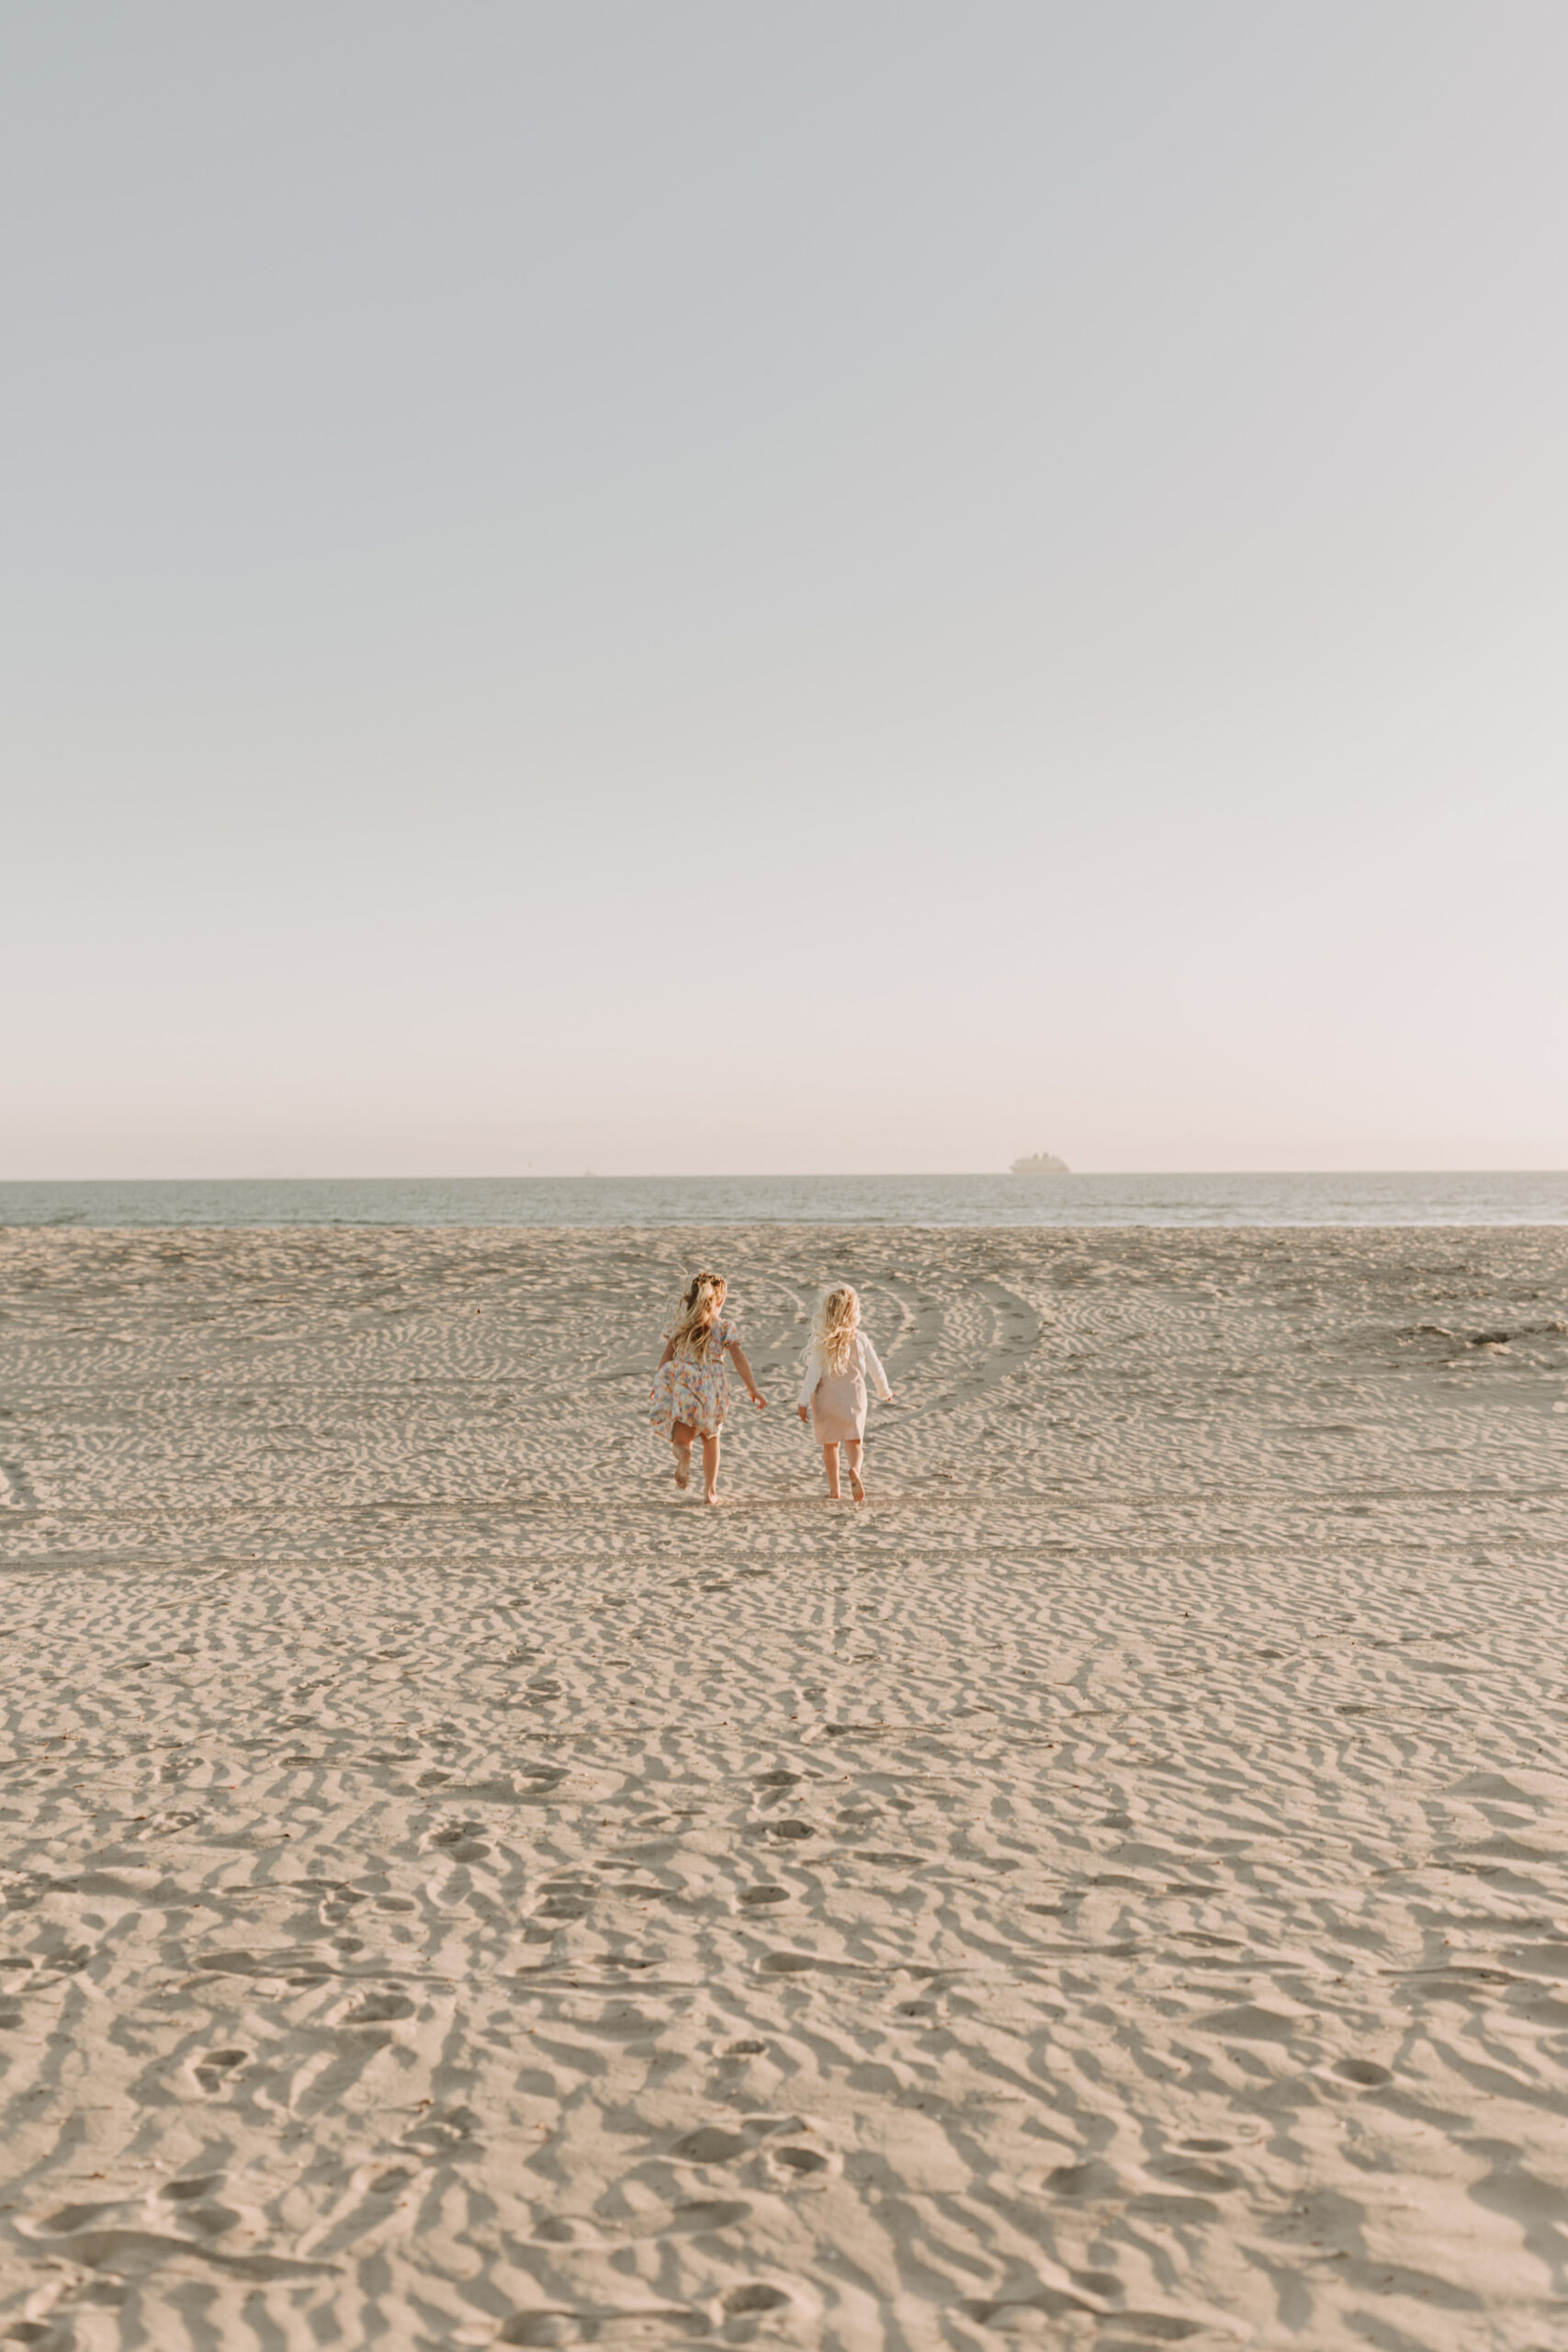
<point x="1111" y="1891"/>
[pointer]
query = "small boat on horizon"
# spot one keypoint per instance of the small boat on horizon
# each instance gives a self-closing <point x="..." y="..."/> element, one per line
<point x="1040" y="1163"/>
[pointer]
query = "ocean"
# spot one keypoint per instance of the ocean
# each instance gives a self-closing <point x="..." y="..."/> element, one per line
<point x="1220" y="1200"/>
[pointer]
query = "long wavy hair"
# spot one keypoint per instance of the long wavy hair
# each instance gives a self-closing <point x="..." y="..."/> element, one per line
<point x="834" y="1326"/>
<point x="698" y="1311"/>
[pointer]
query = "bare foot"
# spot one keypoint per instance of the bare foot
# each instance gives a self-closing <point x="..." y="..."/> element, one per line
<point x="710" y="1499"/>
<point x="683" y="1468"/>
<point x="855" y="1487"/>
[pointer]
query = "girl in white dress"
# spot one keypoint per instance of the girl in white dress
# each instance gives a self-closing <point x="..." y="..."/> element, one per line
<point x="832" y="1393"/>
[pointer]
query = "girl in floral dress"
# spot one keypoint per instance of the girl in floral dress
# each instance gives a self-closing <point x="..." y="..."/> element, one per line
<point x="832" y="1391"/>
<point x="691" y="1387"/>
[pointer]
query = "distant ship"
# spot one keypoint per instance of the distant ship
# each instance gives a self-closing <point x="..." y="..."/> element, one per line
<point x="1040" y="1163"/>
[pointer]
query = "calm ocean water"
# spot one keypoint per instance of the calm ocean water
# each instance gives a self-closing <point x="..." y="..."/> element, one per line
<point x="1506" y="1198"/>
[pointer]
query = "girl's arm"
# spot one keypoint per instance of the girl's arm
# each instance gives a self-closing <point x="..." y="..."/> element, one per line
<point x="873" y="1366"/>
<point x="813" y="1374"/>
<point x="738" y="1353"/>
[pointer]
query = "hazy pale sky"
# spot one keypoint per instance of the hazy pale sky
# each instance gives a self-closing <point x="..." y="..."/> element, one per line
<point x="831" y="587"/>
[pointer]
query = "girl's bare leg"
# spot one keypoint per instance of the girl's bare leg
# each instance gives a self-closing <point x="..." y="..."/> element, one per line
<point x="710" y="1468"/>
<point x="830" y="1463"/>
<point x="680" y="1436"/>
<point x="851" y="1463"/>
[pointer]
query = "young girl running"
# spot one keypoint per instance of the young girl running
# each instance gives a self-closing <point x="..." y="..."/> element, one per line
<point x="837" y="1358"/>
<point x="691" y="1387"/>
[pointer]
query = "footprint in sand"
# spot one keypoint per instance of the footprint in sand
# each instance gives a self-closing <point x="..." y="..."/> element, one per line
<point x="215" y="2066"/>
<point x="709" y="2145"/>
<point x="380" y="2008"/>
<point x="699" y="2213"/>
<point x="1078" y="2182"/>
<point x="1363" y="2073"/>
<point x="755" y="2297"/>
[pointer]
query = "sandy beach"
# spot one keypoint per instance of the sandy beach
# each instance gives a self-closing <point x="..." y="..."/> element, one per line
<point x="1109" y="1891"/>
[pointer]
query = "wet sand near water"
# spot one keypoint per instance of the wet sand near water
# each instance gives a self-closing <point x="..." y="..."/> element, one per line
<point x="1110" y="1889"/>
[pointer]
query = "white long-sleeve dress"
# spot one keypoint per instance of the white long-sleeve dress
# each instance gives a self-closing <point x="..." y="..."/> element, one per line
<point x="837" y="1399"/>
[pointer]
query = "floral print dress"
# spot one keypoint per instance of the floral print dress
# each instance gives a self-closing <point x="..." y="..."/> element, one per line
<point x="693" y="1389"/>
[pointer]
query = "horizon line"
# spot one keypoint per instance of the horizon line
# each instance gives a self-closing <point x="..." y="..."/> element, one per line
<point x="802" y="1176"/>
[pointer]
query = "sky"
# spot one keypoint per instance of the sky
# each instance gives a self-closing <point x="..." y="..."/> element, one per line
<point x="861" y="586"/>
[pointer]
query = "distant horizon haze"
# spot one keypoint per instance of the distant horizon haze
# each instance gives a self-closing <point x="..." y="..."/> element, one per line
<point x="394" y="1167"/>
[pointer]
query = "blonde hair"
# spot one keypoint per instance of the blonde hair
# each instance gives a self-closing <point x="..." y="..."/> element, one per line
<point x="697" y="1313"/>
<point x="834" y="1325"/>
